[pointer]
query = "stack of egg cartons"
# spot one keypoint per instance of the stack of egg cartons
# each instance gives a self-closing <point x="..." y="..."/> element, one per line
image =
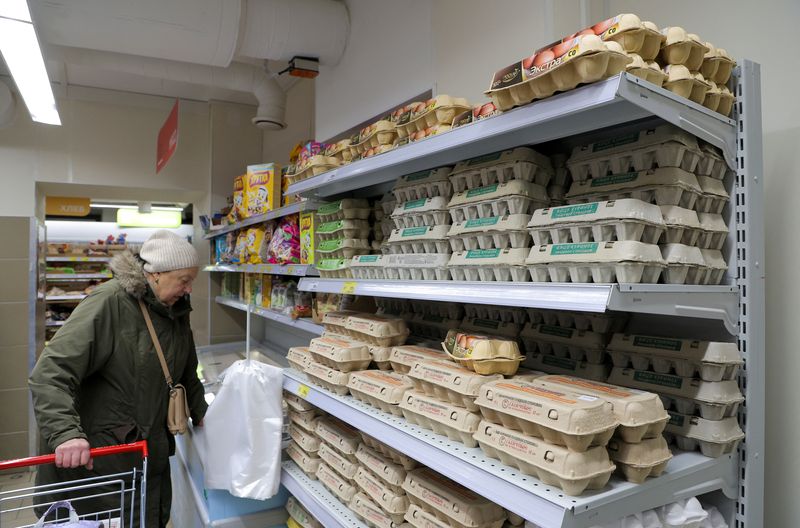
<point x="494" y="198"/>
<point x="696" y="381"/>
<point x="559" y="184"/>
<point x="432" y="320"/>
<point x="303" y="448"/>
<point x="299" y="516"/>
<point x="342" y="231"/>
<point x="338" y="445"/>
<point x="638" y="213"/>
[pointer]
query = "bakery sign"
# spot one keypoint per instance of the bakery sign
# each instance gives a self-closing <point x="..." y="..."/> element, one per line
<point x="67" y="206"/>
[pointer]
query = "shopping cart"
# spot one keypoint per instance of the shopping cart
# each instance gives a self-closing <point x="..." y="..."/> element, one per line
<point x="118" y="490"/>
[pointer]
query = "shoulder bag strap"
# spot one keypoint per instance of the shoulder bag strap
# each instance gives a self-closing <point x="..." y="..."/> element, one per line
<point x="154" y="337"/>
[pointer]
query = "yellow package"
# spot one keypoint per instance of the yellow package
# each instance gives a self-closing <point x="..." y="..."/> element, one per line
<point x="240" y="251"/>
<point x="307" y="238"/>
<point x="247" y="290"/>
<point x="239" y="208"/>
<point x="266" y="291"/>
<point x="257" y="244"/>
<point x="262" y="188"/>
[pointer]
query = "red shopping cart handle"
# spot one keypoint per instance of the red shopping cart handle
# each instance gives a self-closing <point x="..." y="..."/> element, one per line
<point x="140" y="446"/>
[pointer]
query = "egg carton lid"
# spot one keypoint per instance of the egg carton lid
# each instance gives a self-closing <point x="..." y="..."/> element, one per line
<point x="714" y="259"/>
<point x="623" y="209"/>
<point x="715" y="392"/>
<point x="688" y="349"/>
<point x="568" y="336"/>
<point x="329" y="246"/>
<point x="407" y="234"/>
<point x="339" y="225"/>
<point x="682" y="254"/>
<point x="505" y="156"/>
<point x="339" y="486"/>
<point x="309" y="442"/>
<point x="333" y="264"/>
<point x="296" y="402"/>
<point x="377" y="325"/>
<point x="443" y="412"/>
<point x="386" y="386"/>
<point x="340" y="205"/>
<point x="647" y="453"/>
<point x="660" y="177"/>
<point x="479" y="347"/>
<point x="368" y="261"/>
<point x="712" y="222"/>
<point x="489" y="257"/>
<point x="716" y="431"/>
<point x="341" y="464"/>
<point x="392" y="473"/>
<point x="300" y="514"/>
<point x="339" y="434"/>
<point x="514" y="222"/>
<point x="595" y="252"/>
<point x="301" y="355"/>
<point x="337" y="318"/>
<point x="713" y="186"/>
<point x="383" y="495"/>
<point x="336" y="346"/>
<point x="419" y="518"/>
<point x="372" y="514"/>
<point x="426" y="176"/>
<point x="632" y="141"/>
<point x="333" y="376"/>
<point x="674" y="215"/>
<point x="526" y="374"/>
<point x="309" y="463"/>
<point x="408" y="354"/>
<point x="500" y="190"/>
<point x="416" y="260"/>
<point x="498" y="328"/>
<point x="451" y="376"/>
<point x="305" y="419"/>
<point x="423" y="205"/>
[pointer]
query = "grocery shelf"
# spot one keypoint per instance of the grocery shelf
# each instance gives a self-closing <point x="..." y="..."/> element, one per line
<point x="295" y="270"/>
<point x="301" y="323"/>
<point x="319" y="502"/>
<point x="64" y="298"/>
<point x="77" y="276"/>
<point x="298" y="207"/>
<point x="621" y="99"/>
<point x="78" y="259"/>
<point x="50" y="324"/>
<point x="707" y="302"/>
<point x="688" y="473"/>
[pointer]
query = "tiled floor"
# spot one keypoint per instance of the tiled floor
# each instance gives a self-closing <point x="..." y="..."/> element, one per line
<point x="23" y="515"/>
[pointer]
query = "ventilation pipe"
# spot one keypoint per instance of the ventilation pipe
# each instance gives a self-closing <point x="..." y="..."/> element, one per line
<point x="7" y="105"/>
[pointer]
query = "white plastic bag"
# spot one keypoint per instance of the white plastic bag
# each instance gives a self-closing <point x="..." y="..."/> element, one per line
<point x="241" y="432"/>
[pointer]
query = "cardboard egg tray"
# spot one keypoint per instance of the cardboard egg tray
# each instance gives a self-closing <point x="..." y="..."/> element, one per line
<point x="685" y="264"/>
<point x="641" y="415"/>
<point x="713" y="96"/>
<point x="343" y="229"/>
<point x="335" y="322"/>
<point x="387" y="203"/>
<point x="299" y="358"/>
<point x="682" y="225"/>
<point x="451" y="502"/>
<point x="305" y="419"/>
<point x="713" y="231"/>
<point x="557" y="194"/>
<point x="505" y="329"/>
<point x="563" y="342"/>
<point x="713" y="438"/>
<point x="404" y="357"/>
<point x="373" y="515"/>
<point x="632" y="34"/>
<point x="686" y="84"/>
<point x="712" y="164"/>
<point x="346" y="209"/>
<point x="316" y="166"/>
<point x="417" y="517"/>
<point x="404" y="461"/>
<point x="681" y="47"/>
<point x="717" y="65"/>
<point x="380" y="389"/>
<point x="339" y="435"/>
<point x="444" y="418"/>
<point x="601" y="323"/>
<point x="386" y="227"/>
<point x="380" y="356"/>
<point x="340" y="353"/>
<point x="489" y="265"/>
<point x="712" y="400"/>
<point x="625" y="219"/>
<point x="381" y="132"/>
<point x="342" y="248"/>
<point x="422" y="212"/>
<point x="376" y="329"/>
<point x="449" y="382"/>
<point x="599" y="262"/>
<point x="507" y="314"/>
<point x="439" y="110"/>
<point x="558" y="68"/>
<point x="394" y="504"/>
<point x="496" y="232"/>
<point x="662" y="186"/>
<point x="688" y="358"/>
<point x="561" y="417"/>
<point x="648" y="458"/>
<point x="483" y="354"/>
<point x="328" y="378"/>
<point x="650" y="71"/>
<point x="301" y="515"/>
<point x="573" y="472"/>
<point x="416" y="266"/>
<point x="293" y="401"/>
<point x="334" y="268"/>
<point x="567" y="366"/>
<point x="432" y="326"/>
<point x="521" y="163"/>
<point x="423" y="184"/>
<point x="726" y="100"/>
<point x="390" y="473"/>
<point x="341" y="151"/>
<point x="430" y="239"/>
<point x="499" y="199"/>
<point x="307" y="462"/>
<point x="368" y="267"/>
<point x="344" y="466"/>
<point x="340" y="487"/>
<point x="715" y="266"/>
<point x="307" y="441"/>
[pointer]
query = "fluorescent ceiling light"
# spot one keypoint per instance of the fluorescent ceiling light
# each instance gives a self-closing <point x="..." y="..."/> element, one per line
<point x="133" y="218"/>
<point x="16" y="9"/>
<point x="20" y="49"/>
<point x="126" y="206"/>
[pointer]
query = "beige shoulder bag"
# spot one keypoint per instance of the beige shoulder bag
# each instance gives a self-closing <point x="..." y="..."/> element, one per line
<point x="178" y="410"/>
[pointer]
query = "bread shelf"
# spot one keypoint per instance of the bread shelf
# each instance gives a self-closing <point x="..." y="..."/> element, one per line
<point x="302" y="323"/>
<point x="294" y="270"/>
<point x="294" y="208"/>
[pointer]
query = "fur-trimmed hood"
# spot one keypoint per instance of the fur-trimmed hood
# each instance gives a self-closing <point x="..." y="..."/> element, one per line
<point x="128" y="269"/>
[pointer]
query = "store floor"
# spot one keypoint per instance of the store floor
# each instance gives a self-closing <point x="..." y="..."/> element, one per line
<point x="16" y="481"/>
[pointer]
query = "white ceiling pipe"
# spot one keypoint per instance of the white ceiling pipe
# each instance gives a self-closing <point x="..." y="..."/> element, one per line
<point x="7" y="105"/>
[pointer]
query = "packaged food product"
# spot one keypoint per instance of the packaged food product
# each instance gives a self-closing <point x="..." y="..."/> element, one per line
<point x="448" y="382"/>
<point x="424" y="184"/>
<point x="307" y="441"/>
<point x="391" y="474"/>
<point x="266" y="292"/>
<point x="682" y="225"/>
<point x="262" y="187"/>
<point x="337" y="485"/>
<point x="451" y="502"/>
<point x="345" y="209"/>
<point x="521" y="163"/>
<point x="483" y="354"/>
<point x="314" y="166"/>
<point x="417" y="517"/>
<point x="416" y="266"/>
<point x="372" y="514"/>
<point x="423" y="212"/>
<point x="340" y="353"/>
<point x="305" y="419"/>
<point x="239" y="208"/>
<point x="376" y="329"/>
<point x="506" y="314"/>
<point x="328" y="378"/>
<point x="438" y="110"/>
<point x="567" y="366"/>
<point x="662" y="186"/>
<point x="726" y="99"/>
<point x="340" y="435"/>
<point x="499" y="199"/>
<point x="380" y="389"/>
<point x="429" y="239"/>
<point x="561" y="417"/>
<point x="564" y="342"/>
<point x="713" y="231"/>
<point x="432" y="326"/>
<point x="681" y="47"/>
<point x="380" y="356"/>
<point x="296" y="402"/>
<point x="632" y="34"/>
<point x="406" y="462"/>
<point x="284" y="248"/>
<point x="301" y="515"/>
<point x="442" y="418"/>
<point x="334" y="268"/>
<point x="395" y="504"/>
<point x="340" y="150"/>
<point x="714" y="438"/>
<point x="403" y="358"/>
<point x="344" y="466"/>
<point x="496" y="232"/>
<point x="684" y="83"/>
<point x="489" y="265"/>
<point x="714" y="195"/>
<point x="647" y="458"/>
<point x="685" y="264"/>
<point x="305" y="461"/>
<point x="307" y="238"/>
<point x="574" y="472"/>
<point x="688" y="358"/>
<point x="240" y="250"/>
<point x="368" y="267"/>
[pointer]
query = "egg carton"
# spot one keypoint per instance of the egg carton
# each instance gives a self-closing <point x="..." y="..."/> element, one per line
<point x="328" y="378"/>
<point x="347" y="229"/>
<point x="599" y="262"/>
<point x="456" y="423"/>
<point x="557" y="194"/>
<point x="340" y="487"/>
<point x="483" y="354"/>
<point x="681" y="47"/>
<point x="714" y="197"/>
<point x="449" y="382"/>
<point x="380" y="389"/>
<point x="712" y="164"/>
<point x="451" y="502"/>
<point x="601" y="323"/>
<point x="293" y="401"/>
<point x="437" y="111"/>
<point x="390" y="473"/>
<point x="340" y="150"/>
<point x="386" y="227"/>
<point x="392" y="306"/>
<point x="340" y="353"/>
<point x="307" y="441"/>
<point x="650" y="71"/>
<point x="563" y="342"/>
<point x="346" y="467"/>
<point x="506" y="314"/>
<point x="684" y="83"/>
<point x="573" y="472"/>
<point x="499" y="199"/>
<point x="712" y="400"/>
<point x="625" y="219"/>
<point x="715" y="266"/>
<point x="685" y="264"/>
<point x="416" y="266"/>
<point x="404" y="357"/>
<point x="561" y="417"/>
<point x="373" y="515"/>
<point x="337" y="268"/>
<point x="489" y="265"/>
<point x="688" y="358"/>
<point x="380" y="133"/>
<point x="567" y="366"/>
<point x="521" y="163"/>
<point x="713" y="231"/>
<point x="339" y="435"/>
<point x="335" y="322"/>
<point x="306" y="419"/>
<point x="422" y="212"/>
<point x="418" y="517"/>
<point x="726" y="100"/>
<point x="498" y="232"/>
<point x="430" y="239"/>
<point x="590" y="59"/>
<point x="423" y="184"/>
<point x="387" y="203"/>
<point x="394" y="504"/>
<point x="633" y="34"/>
<point x="661" y="186"/>
<point x="401" y="459"/>
<point x="682" y="225"/>
<point x="301" y="515"/>
<point x="648" y="458"/>
<point x="432" y="326"/>
<point x="342" y="248"/>
<point x="346" y="209"/>
<point x="299" y="358"/>
<point x="507" y="329"/>
<point x="318" y="165"/>
<point x="368" y="267"/>
<point x="713" y="438"/>
<point x="377" y="330"/>
<point x="717" y="65"/>
<point x="662" y="146"/>
<point x="308" y="463"/>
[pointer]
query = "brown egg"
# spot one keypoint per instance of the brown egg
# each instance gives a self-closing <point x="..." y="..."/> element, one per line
<point x="561" y="49"/>
<point x="486" y="109"/>
<point x="601" y="27"/>
<point x="587" y="31"/>
<point x="528" y="62"/>
<point x="543" y="58"/>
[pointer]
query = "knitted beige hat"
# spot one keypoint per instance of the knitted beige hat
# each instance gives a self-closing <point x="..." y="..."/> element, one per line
<point x="166" y="251"/>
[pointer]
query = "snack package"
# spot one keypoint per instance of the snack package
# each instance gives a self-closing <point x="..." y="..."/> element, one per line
<point x="302" y="304"/>
<point x="282" y="297"/>
<point x="262" y="190"/>
<point x="222" y="248"/>
<point x="265" y="301"/>
<point x="258" y="239"/>
<point x="239" y="255"/>
<point x="239" y="208"/>
<point x="307" y="238"/>
<point x="284" y="248"/>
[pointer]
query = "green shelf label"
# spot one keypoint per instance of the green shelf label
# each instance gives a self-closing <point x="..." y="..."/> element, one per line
<point x="486" y="323"/>
<point x="482" y="253"/>
<point x="414" y="204"/>
<point x="581" y="248"/>
<point x="482" y="222"/>
<point x="627" y="139"/>
<point x="368" y="258"/>
<point x="483" y="159"/>
<point x="556" y="331"/>
<point x="614" y="179"/>
<point x="676" y="419"/>
<point x="553" y="361"/>
<point x="414" y="231"/>
<point x="665" y="380"/>
<point x="574" y="210"/>
<point x="482" y="190"/>
<point x="417" y="176"/>
<point x="330" y="264"/>
<point x="657" y="342"/>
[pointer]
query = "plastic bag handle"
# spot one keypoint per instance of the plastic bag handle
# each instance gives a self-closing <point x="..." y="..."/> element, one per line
<point x="140" y="446"/>
<point x="73" y="515"/>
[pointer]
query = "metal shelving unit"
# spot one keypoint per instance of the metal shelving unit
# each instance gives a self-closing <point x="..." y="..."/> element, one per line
<point x="78" y="259"/>
<point x="77" y="276"/>
<point x="294" y="270"/>
<point x="65" y="298"/>
<point x="319" y="502"/>
<point x="298" y="207"/>
<point x="301" y="324"/>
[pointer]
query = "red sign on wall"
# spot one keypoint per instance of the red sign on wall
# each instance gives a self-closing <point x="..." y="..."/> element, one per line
<point x="167" y="139"/>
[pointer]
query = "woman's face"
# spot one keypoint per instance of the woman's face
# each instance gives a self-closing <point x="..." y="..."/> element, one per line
<point x="170" y="286"/>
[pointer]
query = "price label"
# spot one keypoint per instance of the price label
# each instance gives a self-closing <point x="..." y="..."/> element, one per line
<point x="349" y="288"/>
<point x="311" y="286"/>
<point x="302" y="391"/>
<point x="290" y="270"/>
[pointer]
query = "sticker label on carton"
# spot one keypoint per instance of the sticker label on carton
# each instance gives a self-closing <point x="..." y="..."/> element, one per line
<point x="574" y="249"/>
<point x="417" y="176"/>
<point x="556" y="331"/>
<point x="482" y="253"/>
<point x="432" y="408"/>
<point x="483" y="159"/>
<point x="665" y="380"/>
<point x="414" y="204"/>
<point x="553" y="361"/>
<point x="574" y="210"/>
<point x="615" y="142"/>
<point x="526" y="406"/>
<point x="676" y="419"/>
<point x="368" y="258"/>
<point x="657" y="342"/>
<point x="614" y="179"/>
<point x="489" y="189"/>
<point x="481" y="222"/>
<point x="414" y="231"/>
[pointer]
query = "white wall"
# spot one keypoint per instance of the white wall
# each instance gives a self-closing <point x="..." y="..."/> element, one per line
<point x="300" y="106"/>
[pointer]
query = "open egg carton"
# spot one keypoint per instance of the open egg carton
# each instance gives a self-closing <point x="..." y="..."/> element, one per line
<point x="506" y="314"/>
<point x="346" y="209"/>
<point x="483" y="354"/>
<point x="601" y="323"/>
<point x="341" y="151"/>
<point x="599" y="262"/>
<point x="662" y="186"/>
<point x="444" y="418"/>
<point x="315" y="166"/>
<point x="380" y="389"/>
<point x="379" y="134"/>
<point x="496" y="232"/>
<point x="567" y="366"/>
<point x="688" y="358"/>
<point x="393" y="504"/>
<point x="343" y="229"/>
<point x="416" y="266"/>
<point x="339" y="486"/>
<point x="428" y="239"/>
<point x="712" y="400"/>
<point x="637" y="462"/>
<point x="574" y="472"/>
<point x="340" y="353"/>
<point x="422" y="212"/>
<point x="499" y="199"/>
<point x="489" y="265"/>
<point x="521" y="163"/>
<point x="328" y="378"/>
<point x="307" y="462"/>
<point x="439" y="110"/>
<point x="625" y="219"/>
<point x="403" y="358"/>
<point x="423" y="184"/>
<point x="371" y="513"/>
<point x="334" y="268"/>
<point x="563" y="342"/>
<point x="392" y="474"/>
<point x="713" y="438"/>
<point x="449" y="382"/>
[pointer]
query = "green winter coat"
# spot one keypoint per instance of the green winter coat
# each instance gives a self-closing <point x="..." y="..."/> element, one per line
<point x="100" y="379"/>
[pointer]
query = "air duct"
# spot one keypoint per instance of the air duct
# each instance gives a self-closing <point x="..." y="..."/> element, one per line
<point x="7" y="105"/>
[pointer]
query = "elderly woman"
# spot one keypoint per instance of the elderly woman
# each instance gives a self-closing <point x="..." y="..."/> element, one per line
<point x="99" y="381"/>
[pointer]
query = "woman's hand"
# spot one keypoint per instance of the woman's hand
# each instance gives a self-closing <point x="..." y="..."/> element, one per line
<point x="73" y="453"/>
